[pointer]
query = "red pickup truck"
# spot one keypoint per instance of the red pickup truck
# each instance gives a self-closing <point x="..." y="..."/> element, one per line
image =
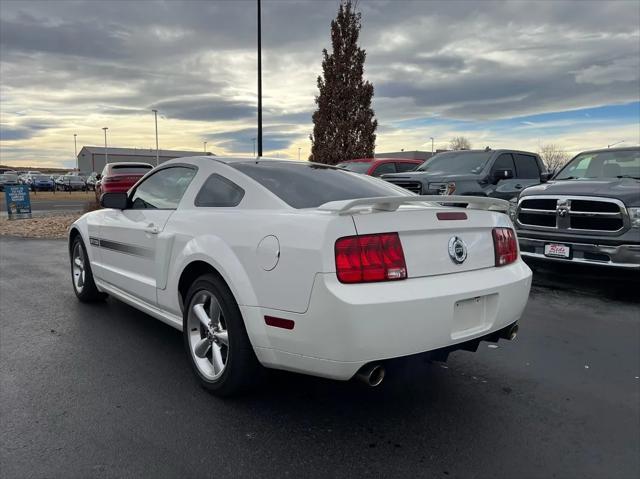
<point x="380" y="166"/>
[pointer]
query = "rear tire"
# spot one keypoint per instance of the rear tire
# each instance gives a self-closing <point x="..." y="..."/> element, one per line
<point x="81" y="275"/>
<point x="216" y="341"/>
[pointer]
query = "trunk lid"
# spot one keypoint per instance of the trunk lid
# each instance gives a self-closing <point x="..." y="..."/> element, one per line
<point x="426" y="239"/>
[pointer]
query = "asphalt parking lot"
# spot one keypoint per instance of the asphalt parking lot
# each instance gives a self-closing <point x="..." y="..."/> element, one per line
<point x="105" y="391"/>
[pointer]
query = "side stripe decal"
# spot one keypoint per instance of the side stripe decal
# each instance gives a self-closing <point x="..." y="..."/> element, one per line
<point x="121" y="247"/>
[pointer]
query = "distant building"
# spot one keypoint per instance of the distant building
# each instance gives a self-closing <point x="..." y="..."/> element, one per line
<point x="92" y="158"/>
<point x="414" y="155"/>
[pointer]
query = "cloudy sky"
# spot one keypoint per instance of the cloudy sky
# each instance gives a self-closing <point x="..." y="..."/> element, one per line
<point x="516" y="74"/>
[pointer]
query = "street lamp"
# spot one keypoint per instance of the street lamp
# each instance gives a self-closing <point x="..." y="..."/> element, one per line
<point x="75" y="149"/>
<point x="106" y="158"/>
<point x="259" y="81"/>
<point x="254" y="146"/>
<point x="205" y="146"/>
<point x="299" y="153"/>
<point x="616" y="143"/>
<point x="431" y="145"/>
<point x="155" y="114"/>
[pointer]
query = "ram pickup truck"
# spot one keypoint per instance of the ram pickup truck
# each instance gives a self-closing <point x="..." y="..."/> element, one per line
<point x="495" y="173"/>
<point x="589" y="213"/>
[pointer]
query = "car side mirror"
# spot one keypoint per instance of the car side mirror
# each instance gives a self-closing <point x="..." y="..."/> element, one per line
<point x="502" y="174"/>
<point x="545" y="176"/>
<point x="117" y="201"/>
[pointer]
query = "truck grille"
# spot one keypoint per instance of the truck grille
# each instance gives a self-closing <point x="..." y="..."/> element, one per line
<point x="413" y="186"/>
<point x="577" y="214"/>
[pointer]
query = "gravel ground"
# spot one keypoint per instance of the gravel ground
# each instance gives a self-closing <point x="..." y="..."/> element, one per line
<point x="50" y="226"/>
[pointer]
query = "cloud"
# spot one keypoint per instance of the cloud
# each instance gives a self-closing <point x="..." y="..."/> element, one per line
<point x="80" y="65"/>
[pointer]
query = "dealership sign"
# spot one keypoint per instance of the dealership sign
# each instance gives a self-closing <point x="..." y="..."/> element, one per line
<point x="18" y="202"/>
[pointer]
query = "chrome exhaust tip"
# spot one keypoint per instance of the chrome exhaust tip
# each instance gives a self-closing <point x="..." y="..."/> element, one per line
<point x="371" y="374"/>
<point x="513" y="333"/>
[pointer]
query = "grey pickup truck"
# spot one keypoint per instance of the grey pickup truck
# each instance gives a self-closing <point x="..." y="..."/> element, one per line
<point x="495" y="173"/>
<point x="588" y="213"/>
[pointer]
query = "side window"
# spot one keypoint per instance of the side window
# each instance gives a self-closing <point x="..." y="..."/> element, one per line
<point x="384" y="168"/>
<point x="405" y="166"/>
<point x="504" y="162"/>
<point x="163" y="189"/>
<point x="219" y="192"/>
<point x="527" y="166"/>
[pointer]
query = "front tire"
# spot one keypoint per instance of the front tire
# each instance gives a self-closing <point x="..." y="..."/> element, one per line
<point x="215" y="339"/>
<point x="81" y="275"/>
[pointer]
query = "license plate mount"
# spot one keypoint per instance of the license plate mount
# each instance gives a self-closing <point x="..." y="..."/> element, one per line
<point x="557" y="250"/>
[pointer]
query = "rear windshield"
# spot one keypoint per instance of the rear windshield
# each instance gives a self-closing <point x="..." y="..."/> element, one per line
<point x="42" y="177"/>
<point x="357" y="166"/>
<point x="603" y="164"/>
<point x="8" y="177"/>
<point x="457" y="162"/>
<point x="309" y="185"/>
<point x="131" y="168"/>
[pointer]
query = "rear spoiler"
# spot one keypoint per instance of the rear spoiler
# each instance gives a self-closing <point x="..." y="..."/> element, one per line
<point x="392" y="203"/>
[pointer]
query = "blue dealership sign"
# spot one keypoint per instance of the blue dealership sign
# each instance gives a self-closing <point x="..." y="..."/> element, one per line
<point x="18" y="202"/>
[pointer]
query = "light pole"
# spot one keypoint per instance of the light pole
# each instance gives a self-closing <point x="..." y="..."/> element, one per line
<point x="299" y="153"/>
<point x="205" y="146"/>
<point x="431" y="145"/>
<point x="106" y="158"/>
<point x="75" y="149"/>
<point x="259" y="82"/>
<point x="254" y="146"/>
<point x="155" y="114"/>
<point x="616" y="143"/>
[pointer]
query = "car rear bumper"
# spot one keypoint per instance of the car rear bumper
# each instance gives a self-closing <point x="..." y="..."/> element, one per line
<point x="348" y="326"/>
<point x="621" y="256"/>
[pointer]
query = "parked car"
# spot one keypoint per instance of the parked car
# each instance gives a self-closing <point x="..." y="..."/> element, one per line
<point x="119" y="177"/>
<point x="91" y="182"/>
<point x="589" y="213"/>
<point x="7" y="171"/>
<point x="300" y="266"/>
<point x="41" y="183"/>
<point x="496" y="173"/>
<point x="27" y="177"/>
<point x="8" y="179"/>
<point x="70" y="182"/>
<point x="380" y="166"/>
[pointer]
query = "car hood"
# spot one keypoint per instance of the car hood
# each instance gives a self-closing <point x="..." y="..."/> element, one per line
<point x="435" y="177"/>
<point x="625" y="189"/>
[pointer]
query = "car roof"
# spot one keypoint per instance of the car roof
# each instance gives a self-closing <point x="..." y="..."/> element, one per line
<point x="602" y="150"/>
<point x="498" y="150"/>
<point x="130" y="163"/>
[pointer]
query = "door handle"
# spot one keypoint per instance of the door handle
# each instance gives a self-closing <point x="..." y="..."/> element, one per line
<point x="152" y="229"/>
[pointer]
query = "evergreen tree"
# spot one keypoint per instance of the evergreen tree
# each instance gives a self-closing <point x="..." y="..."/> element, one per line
<point x="343" y="125"/>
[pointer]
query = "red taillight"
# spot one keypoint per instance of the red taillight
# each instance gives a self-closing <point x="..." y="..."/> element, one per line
<point x="369" y="258"/>
<point x="505" y="246"/>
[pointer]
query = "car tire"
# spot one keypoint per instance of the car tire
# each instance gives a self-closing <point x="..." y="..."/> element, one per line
<point x="228" y="366"/>
<point x="81" y="275"/>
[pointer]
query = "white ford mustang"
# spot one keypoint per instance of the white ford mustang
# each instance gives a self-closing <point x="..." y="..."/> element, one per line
<point x="299" y="266"/>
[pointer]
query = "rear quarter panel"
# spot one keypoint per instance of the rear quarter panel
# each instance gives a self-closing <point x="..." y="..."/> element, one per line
<point x="228" y="239"/>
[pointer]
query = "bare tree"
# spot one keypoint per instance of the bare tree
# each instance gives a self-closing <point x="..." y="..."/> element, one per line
<point x="553" y="157"/>
<point x="460" y="143"/>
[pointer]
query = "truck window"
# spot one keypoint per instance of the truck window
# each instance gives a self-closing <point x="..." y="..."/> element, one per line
<point x="384" y="168"/>
<point x="526" y="166"/>
<point x="504" y="162"/>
